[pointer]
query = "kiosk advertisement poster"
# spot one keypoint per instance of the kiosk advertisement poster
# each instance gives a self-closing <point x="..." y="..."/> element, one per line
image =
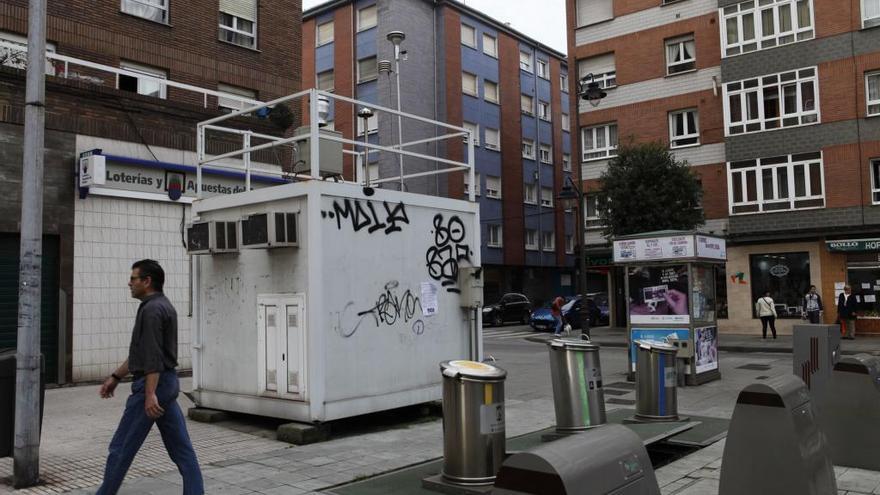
<point x="658" y="295"/>
<point x="655" y="335"/>
<point x="706" y="348"/>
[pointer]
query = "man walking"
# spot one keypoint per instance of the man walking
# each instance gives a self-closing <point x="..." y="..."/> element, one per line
<point x="812" y="305"/>
<point x="152" y="357"/>
<point x="846" y="312"/>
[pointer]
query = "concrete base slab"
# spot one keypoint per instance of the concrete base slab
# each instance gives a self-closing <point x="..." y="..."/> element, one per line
<point x="439" y="484"/>
<point x="302" y="433"/>
<point x="205" y="415"/>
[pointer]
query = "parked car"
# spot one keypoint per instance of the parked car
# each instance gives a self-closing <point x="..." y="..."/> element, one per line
<point x="597" y="304"/>
<point x="542" y="318"/>
<point x="511" y="307"/>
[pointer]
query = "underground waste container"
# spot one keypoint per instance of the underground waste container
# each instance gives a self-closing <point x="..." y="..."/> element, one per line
<point x="576" y="374"/>
<point x="656" y="397"/>
<point x="7" y="399"/>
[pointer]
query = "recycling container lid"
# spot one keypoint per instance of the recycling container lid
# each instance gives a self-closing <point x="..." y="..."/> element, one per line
<point x="471" y="369"/>
<point x="574" y="344"/>
<point x="654" y="345"/>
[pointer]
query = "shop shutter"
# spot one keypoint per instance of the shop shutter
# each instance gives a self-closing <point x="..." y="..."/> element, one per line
<point x="246" y="9"/>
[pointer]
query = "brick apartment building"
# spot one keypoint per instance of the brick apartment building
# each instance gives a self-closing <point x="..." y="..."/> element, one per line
<point x="774" y="104"/>
<point x="184" y="62"/>
<point x="465" y="68"/>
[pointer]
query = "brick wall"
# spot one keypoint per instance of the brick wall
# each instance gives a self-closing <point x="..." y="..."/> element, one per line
<point x="455" y="147"/>
<point x="511" y="150"/>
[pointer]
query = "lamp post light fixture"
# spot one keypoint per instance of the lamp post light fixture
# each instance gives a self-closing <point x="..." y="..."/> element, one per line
<point x="588" y="89"/>
<point x="396" y="38"/>
<point x="572" y="197"/>
<point x="366" y="114"/>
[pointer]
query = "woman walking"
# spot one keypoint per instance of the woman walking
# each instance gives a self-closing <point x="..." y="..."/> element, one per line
<point x="766" y="310"/>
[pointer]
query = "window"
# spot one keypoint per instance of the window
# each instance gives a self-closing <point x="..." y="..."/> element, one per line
<point x="372" y="124"/>
<point x="872" y="92"/>
<point x="490" y="45"/>
<point x="544" y="110"/>
<point x="490" y="91"/>
<point x="145" y="80"/>
<point x="786" y="276"/>
<point x="17" y="59"/>
<point x="154" y="10"/>
<point x="326" y="80"/>
<point x="231" y="102"/>
<point x="493" y="239"/>
<point x="680" y="55"/>
<point x="525" y="61"/>
<point x="469" y="84"/>
<point x="875" y="182"/>
<point x="468" y="36"/>
<point x="530" y="194"/>
<point x="569" y="244"/>
<point x="546" y="153"/>
<point x="598" y="142"/>
<point x="547" y="196"/>
<point x="367" y="69"/>
<point x="602" y="68"/>
<point x="366" y="18"/>
<point x="238" y="22"/>
<point x="776" y="184"/>
<point x="543" y="69"/>
<point x="373" y="171"/>
<point x="491" y="142"/>
<point x="593" y="11"/>
<point x="528" y="149"/>
<point x="548" y="241"/>
<point x="684" y="128"/>
<point x="527" y="104"/>
<point x="531" y="239"/>
<point x="566" y="123"/>
<point x="870" y="13"/>
<point x="591" y="208"/>
<point x="769" y="102"/>
<point x="751" y="26"/>
<point x="475" y="132"/>
<point x="563" y="80"/>
<point x="493" y="187"/>
<point x="324" y="33"/>
<point x="566" y="162"/>
<point x="467" y="189"/>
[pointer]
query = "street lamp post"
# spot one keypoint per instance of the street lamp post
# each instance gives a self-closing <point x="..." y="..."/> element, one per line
<point x="396" y="38"/>
<point x="568" y="196"/>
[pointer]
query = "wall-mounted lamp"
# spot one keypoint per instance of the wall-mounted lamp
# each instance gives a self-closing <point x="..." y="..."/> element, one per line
<point x="589" y="90"/>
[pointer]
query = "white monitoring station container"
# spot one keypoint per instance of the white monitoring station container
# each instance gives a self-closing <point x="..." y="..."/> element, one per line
<point x="323" y="299"/>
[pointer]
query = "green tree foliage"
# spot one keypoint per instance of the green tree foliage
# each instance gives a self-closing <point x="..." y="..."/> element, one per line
<point x="646" y="189"/>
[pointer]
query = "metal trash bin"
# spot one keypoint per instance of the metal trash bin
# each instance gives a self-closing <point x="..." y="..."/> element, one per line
<point x="578" y="396"/>
<point x="656" y="397"/>
<point x="7" y="399"/>
<point x="473" y="422"/>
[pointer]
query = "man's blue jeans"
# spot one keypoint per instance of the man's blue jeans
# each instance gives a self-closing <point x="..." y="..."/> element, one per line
<point x="133" y="430"/>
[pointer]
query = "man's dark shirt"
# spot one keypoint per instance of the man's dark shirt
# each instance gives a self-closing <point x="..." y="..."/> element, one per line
<point x="154" y="338"/>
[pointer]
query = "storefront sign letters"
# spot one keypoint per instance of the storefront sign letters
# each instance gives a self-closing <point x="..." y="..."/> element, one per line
<point x="853" y="245"/>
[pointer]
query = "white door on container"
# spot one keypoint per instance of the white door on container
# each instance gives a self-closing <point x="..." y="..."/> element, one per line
<point x="267" y="342"/>
<point x="295" y="358"/>
<point x="282" y="352"/>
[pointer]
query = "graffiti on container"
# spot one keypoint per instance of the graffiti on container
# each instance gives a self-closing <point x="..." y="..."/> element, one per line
<point x="363" y="215"/>
<point x="449" y="249"/>
<point x="389" y="308"/>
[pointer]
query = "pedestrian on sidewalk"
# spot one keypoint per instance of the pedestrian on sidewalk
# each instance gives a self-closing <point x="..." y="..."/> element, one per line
<point x="766" y="310"/>
<point x="846" y="313"/>
<point x="556" y="312"/>
<point x="152" y="359"/>
<point x="813" y="306"/>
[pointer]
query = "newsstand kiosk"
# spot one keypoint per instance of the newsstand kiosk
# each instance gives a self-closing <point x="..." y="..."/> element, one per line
<point x="670" y="287"/>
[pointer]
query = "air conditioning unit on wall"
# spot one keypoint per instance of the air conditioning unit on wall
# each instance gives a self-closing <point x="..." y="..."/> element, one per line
<point x="269" y="230"/>
<point x="212" y="238"/>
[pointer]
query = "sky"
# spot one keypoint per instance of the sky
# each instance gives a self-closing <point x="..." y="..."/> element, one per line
<point x="543" y="20"/>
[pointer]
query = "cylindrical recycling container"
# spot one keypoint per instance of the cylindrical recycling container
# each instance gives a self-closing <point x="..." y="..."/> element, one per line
<point x="656" y="398"/>
<point x="473" y="422"/>
<point x="578" y="396"/>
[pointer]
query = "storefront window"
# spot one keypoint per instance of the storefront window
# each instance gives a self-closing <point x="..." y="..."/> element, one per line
<point x="786" y="276"/>
<point x="865" y="283"/>
<point x="703" y="293"/>
<point x="721" y="291"/>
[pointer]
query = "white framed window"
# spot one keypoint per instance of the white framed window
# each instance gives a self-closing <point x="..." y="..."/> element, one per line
<point x="681" y="54"/>
<point x="490" y="91"/>
<point x="372" y="124"/>
<point x="563" y="80"/>
<point x="493" y="237"/>
<point x="591" y="204"/>
<point x="467" y="186"/>
<point x="326" y="80"/>
<point x="373" y="170"/>
<point x="543" y="68"/>
<point x="870" y="13"/>
<point x="493" y="187"/>
<point x="684" y="128"/>
<point x="145" y="81"/>
<point x="366" y="18"/>
<point x="546" y="153"/>
<point x="492" y="140"/>
<point x="531" y="239"/>
<point x="368" y="70"/>
<point x="468" y="36"/>
<point x="598" y="142"/>
<point x="17" y="59"/>
<point x="238" y="22"/>
<point x="566" y="162"/>
<point x="490" y="45"/>
<point x="875" y="181"/>
<point x="525" y="61"/>
<point x="569" y="244"/>
<point x="872" y="92"/>
<point x="475" y="131"/>
<point x="468" y="84"/>
<point x="779" y="183"/>
<point x="231" y="102"/>
<point x="154" y="10"/>
<point x="566" y="123"/>
<point x="547" y="196"/>
<point x="749" y="26"/>
<point x="528" y="149"/>
<point x="548" y="241"/>
<point x="527" y="104"/>
<point x="544" y="110"/>
<point x="772" y="101"/>
<point x="530" y="194"/>
<point x="593" y="11"/>
<point x="602" y="68"/>
<point x="324" y="33"/>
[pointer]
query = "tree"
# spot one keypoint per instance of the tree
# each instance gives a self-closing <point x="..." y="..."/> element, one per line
<point x="645" y="189"/>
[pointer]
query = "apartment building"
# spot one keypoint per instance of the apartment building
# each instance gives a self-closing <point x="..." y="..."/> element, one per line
<point x="773" y="103"/>
<point x="126" y="83"/>
<point x="462" y="67"/>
